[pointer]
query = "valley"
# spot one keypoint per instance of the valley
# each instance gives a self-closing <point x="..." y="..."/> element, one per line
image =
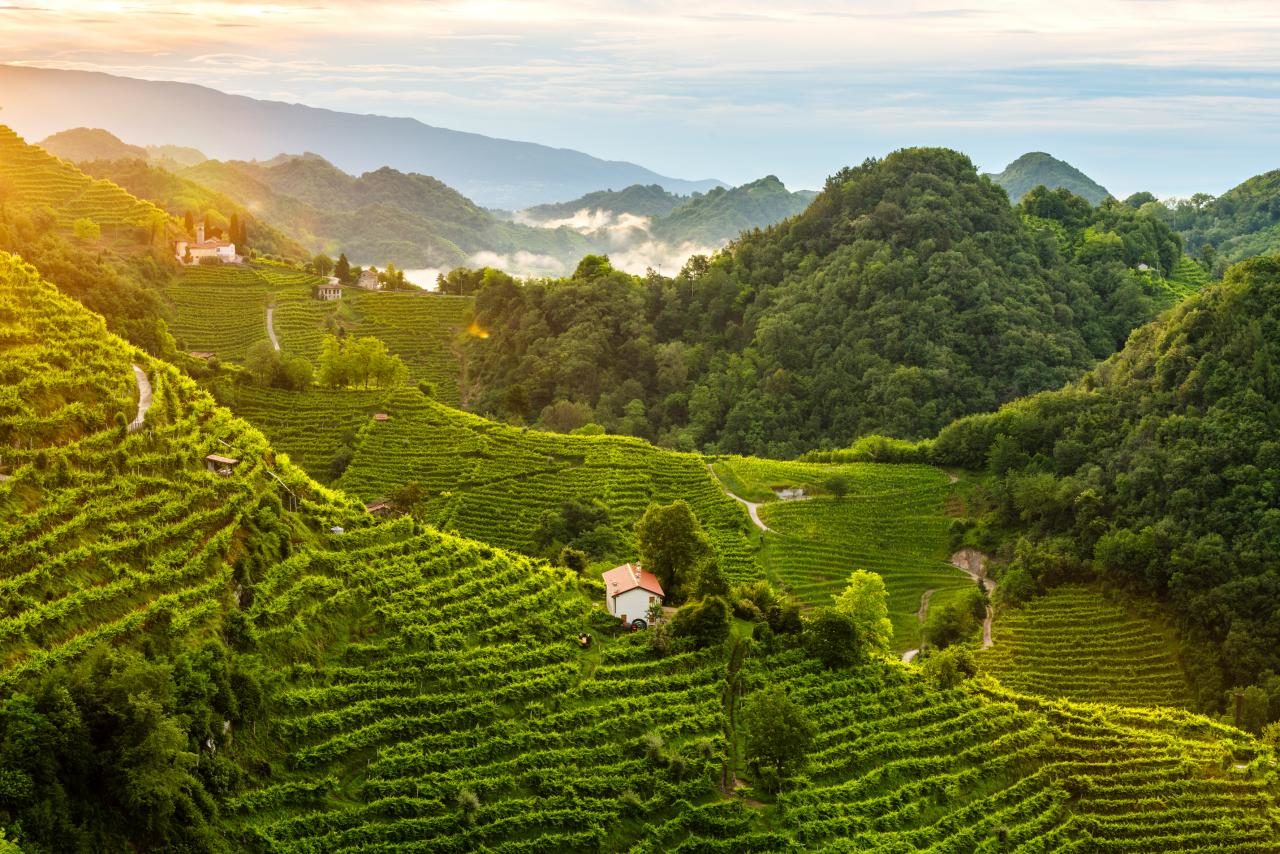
<point x="962" y="513"/>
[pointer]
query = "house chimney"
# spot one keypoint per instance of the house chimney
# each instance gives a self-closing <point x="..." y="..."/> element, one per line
<point x="200" y="233"/>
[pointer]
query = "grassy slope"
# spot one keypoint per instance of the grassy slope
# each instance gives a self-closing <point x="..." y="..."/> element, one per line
<point x="36" y="178"/>
<point x="413" y="666"/>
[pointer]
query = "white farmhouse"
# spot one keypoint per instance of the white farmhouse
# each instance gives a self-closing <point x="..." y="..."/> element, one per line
<point x="629" y="590"/>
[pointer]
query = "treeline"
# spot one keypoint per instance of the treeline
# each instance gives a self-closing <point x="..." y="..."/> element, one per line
<point x="1239" y="224"/>
<point x="124" y="289"/>
<point x="909" y="293"/>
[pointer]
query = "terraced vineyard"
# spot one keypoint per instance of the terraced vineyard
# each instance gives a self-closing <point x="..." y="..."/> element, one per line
<point x="493" y="482"/>
<point x="892" y="522"/>
<point x="418" y="327"/>
<point x="311" y="428"/>
<point x="474" y="685"/>
<point x="901" y="767"/>
<point x="104" y="530"/>
<point x="464" y="726"/>
<point x="427" y="692"/>
<point x="302" y="322"/>
<point x="1187" y="278"/>
<point x="1073" y="643"/>
<point x="33" y="177"/>
<point x="221" y="310"/>
<point x="487" y="480"/>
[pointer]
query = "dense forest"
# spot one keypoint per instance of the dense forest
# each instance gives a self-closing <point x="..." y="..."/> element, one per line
<point x="1158" y="472"/>
<point x="907" y="294"/>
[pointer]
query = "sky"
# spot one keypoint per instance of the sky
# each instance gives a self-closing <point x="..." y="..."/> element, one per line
<point x="1161" y="95"/>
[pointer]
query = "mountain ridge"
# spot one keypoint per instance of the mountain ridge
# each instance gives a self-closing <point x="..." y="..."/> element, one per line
<point x="496" y="172"/>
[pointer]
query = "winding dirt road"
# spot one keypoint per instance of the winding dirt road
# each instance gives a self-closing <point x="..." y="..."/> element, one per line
<point x="144" y="398"/>
<point x="271" y="329"/>
<point x="973" y="563"/>
<point x="753" y="509"/>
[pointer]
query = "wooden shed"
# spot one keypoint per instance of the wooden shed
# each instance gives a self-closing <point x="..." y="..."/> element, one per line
<point x="221" y="465"/>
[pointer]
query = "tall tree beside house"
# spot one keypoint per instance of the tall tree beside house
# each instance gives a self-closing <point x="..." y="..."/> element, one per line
<point x="672" y="546"/>
<point x="322" y="264"/>
<point x="236" y="231"/>
<point x="343" y="269"/>
<point x="189" y="223"/>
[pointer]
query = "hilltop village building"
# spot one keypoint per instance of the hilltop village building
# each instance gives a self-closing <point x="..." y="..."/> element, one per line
<point x="193" y="253"/>
<point x="369" y="281"/>
<point x="330" y="290"/>
<point x="629" y="590"/>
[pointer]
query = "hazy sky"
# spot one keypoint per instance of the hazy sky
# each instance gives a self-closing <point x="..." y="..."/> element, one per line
<point x="1169" y="96"/>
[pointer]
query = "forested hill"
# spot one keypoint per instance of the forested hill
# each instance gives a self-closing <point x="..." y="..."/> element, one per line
<point x="1158" y="471"/>
<point x="722" y="214"/>
<point x="1036" y="169"/>
<point x="639" y="199"/>
<point x="80" y="145"/>
<point x="908" y="293"/>
<point x="1241" y="223"/>
<point x="708" y="219"/>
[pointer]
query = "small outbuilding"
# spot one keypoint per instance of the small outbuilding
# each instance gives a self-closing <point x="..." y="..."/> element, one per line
<point x="202" y="355"/>
<point x="380" y="417"/>
<point x="219" y="464"/>
<point x="629" y="590"/>
<point x="381" y="507"/>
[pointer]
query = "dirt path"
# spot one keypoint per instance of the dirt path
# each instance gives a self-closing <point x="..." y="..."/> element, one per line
<point x="973" y="563"/>
<point x="271" y="330"/>
<point x="921" y="614"/>
<point x="144" y="398"/>
<point x="753" y="509"/>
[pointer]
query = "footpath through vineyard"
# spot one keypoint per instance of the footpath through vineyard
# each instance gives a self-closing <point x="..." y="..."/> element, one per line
<point x="271" y="330"/>
<point x="144" y="398"/>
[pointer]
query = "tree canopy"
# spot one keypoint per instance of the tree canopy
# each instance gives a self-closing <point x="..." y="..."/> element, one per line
<point x="908" y="293"/>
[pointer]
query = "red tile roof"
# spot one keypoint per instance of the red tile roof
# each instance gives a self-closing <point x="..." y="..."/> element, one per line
<point x="620" y="579"/>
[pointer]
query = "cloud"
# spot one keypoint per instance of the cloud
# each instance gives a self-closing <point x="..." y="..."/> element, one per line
<point x="658" y="255"/>
<point x="630" y="245"/>
<point x="615" y="229"/>
<point x="521" y="263"/>
<point x="733" y="88"/>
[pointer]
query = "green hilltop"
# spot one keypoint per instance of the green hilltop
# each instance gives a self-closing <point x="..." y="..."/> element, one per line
<point x="642" y="200"/>
<point x="906" y="294"/>
<point x="1243" y="222"/>
<point x="1036" y="169"/>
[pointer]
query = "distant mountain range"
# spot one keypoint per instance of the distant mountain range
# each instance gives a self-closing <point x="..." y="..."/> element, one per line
<point x="493" y="172"/>
<point x="707" y="219"/>
<point x="416" y="221"/>
<point x="1036" y="168"/>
